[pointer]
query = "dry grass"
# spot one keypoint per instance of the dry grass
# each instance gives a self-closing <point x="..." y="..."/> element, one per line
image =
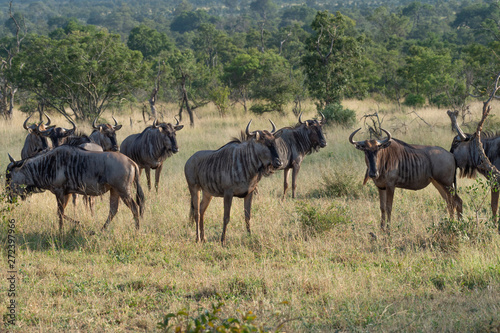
<point x="423" y="277"/>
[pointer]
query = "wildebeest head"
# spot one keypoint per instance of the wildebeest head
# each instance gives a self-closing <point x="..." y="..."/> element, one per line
<point x="371" y="148"/>
<point x="58" y="135"/>
<point x="268" y="154"/>
<point x="167" y="132"/>
<point x="35" y="131"/>
<point x="15" y="181"/>
<point x="107" y="135"/>
<point x="315" y="131"/>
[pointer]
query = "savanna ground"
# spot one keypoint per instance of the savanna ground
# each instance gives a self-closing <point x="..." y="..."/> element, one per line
<point x="310" y="263"/>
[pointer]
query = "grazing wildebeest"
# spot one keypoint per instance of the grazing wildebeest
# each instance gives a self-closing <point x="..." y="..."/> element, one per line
<point x="233" y="170"/>
<point x="151" y="148"/>
<point x="68" y="169"/>
<point x="105" y="135"/>
<point x="294" y="143"/>
<point x="393" y="163"/>
<point x="35" y="142"/>
<point x="465" y="150"/>
<point x="58" y="135"/>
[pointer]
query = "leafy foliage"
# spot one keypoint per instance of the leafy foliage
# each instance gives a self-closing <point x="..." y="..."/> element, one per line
<point x="316" y="221"/>
<point x="336" y="114"/>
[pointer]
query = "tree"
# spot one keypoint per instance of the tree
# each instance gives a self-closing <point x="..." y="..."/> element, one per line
<point x="149" y="41"/>
<point x="9" y="51"/>
<point x="83" y="71"/>
<point x="275" y="83"/>
<point x="239" y="74"/>
<point x="332" y="56"/>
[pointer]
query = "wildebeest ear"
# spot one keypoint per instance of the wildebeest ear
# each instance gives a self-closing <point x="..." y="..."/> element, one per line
<point x="11" y="159"/>
<point x="178" y="127"/>
<point x="257" y="135"/>
<point x="117" y="127"/>
<point x="385" y="144"/>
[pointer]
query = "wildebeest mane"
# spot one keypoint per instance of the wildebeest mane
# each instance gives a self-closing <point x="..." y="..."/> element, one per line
<point x="77" y="139"/>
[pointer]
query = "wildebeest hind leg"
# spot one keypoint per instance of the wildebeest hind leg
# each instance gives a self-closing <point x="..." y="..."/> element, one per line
<point x="494" y="204"/>
<point x="129" y="201"/>
<point x="451" y="200"/>
<point x="205" y="201"/>
<point x="195" y="209"/>
<point x="248" y="210"/>
<point x="148" y="177"/>
<point x="295" y="173"/>
<point x="114" y="200"/>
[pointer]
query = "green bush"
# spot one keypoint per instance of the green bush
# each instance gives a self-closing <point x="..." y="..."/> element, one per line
<point x="316" y="220"/>
<point x="342" y="183"/>
<point x="213" y="321"/>
<point x="260" y="108"/>
<point x="335" y="113"/>
<point x="441" y="101"/>
<point x="415" y="100"/>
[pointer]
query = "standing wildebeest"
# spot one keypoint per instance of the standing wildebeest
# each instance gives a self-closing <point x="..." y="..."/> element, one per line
<point x="393" y="163"/>
<point x="294" y="143"/>
<point x="58" y="135"/>
<point x="151" y="148"/>
<point x="35" y="142"/>
<point x="232" y="170"/>
<point x="466" y="152"/>
<point x="105" y="135"/>
<point x="69" y="169"/>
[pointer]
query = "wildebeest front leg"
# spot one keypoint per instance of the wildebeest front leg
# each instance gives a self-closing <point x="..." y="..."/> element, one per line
<point x="157" y="176"/>
<point x="285" y="181"/>
<point x="114" y="200"/>
<point x="295" y="173"/>
<point x="248" y="210"/>
<point x="228" y="200"/>
<point x="148" y="177"/>
<point x="62" y="201"/>
<point x="205" y="201"/>
<point x="388" y="206"/>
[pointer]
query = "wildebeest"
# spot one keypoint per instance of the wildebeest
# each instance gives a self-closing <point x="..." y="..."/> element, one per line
<point x="35" y="142"/>
<point x="294" y="143"/>
<point x="231" y="171"/>
<point x="59" y="135"/>
<point x="151" y="148"/>
<point x="68" y="169"/>
<point x="465" y="150"/>
<point x="105" y="135"/>
<point x="393" y="163"/>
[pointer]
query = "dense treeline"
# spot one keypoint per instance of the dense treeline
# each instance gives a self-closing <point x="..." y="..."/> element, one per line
<point x="89" y="55"/>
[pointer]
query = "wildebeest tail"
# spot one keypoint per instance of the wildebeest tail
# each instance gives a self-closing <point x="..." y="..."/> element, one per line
<point x="139" y="193"/>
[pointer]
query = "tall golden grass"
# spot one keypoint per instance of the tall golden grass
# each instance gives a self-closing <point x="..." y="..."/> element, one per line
<point x="429" y="275"/>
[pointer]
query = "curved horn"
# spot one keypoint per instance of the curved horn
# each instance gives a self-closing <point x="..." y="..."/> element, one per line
<point x="248" y="126"/>
<point x="323" y="119"/>
<point x="26" y="122"/>
<point x="116" y="123"/>
<point x="155" y="122"/>
<point x="300" y="118"/>
<point x="352" y="136"/>
<point x="48" y="118"/>
<point x="274" y="126"/>
<point x="11" y="159"/>
<point x="389" y="136"/>
<point x="39" y="130"/>
<point x="93" y="124"/>
<point x="72" y="123"/>
<point x="177" y="120"/>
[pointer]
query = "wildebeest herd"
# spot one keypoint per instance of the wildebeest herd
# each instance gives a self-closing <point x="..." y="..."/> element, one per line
<point x="72" y="163"/>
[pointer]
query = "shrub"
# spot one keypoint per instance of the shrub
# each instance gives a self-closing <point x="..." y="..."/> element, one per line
<point x="260" y="108"/>
<point x="213" y="321"/>
<point x="315" y="220"/>
<point x="415" y="100"/>
<point x="341" y="183"/>
<point x="335" y="113"/>
<point x="441" y="100"/>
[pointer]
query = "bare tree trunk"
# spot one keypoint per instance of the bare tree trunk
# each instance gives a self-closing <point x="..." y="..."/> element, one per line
<point x="152" y="102"/>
